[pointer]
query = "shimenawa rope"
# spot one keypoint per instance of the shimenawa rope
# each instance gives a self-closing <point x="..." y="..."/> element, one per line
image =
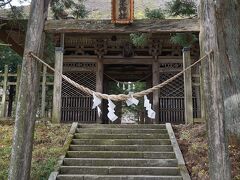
<point x="120" y="97"/>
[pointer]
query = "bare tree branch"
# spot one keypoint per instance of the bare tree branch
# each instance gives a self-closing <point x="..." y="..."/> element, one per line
<point x="5" y="3"/>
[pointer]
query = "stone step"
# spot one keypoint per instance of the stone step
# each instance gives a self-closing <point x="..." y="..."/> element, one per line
<point x="120" y="136"/>
<point x="120" y="162"/>
<point x="120" y="154"/>
<point x="120" y="131"/>
<point x="109" y="170"/>
<point x="125" y="126"/>
<point x="115" y="177"/>
<point x="154" y="148"/>
<point x="121" y="142"/>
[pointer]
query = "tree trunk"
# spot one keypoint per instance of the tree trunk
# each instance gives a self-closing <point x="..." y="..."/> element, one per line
<point x="212" y="36"/>
<point x="231" y="69"/>
<point x="20" y="165"/>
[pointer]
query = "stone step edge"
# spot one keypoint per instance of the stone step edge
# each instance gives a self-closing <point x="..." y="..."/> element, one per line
<point x="127" y="126"/>
<point x="130" y="162"/>
<point x="181" y="163"/>
<point x="120" y="145"/>
<point x="124" y="139"/>
<point x="120" y="167"/>
<point x="125" y="152"/>
<point x="118" y="170"/>
<point x="118" y="149"/>
<point x="127" y="134"/>
<point x="116" y="176"/>
<point x="117" y="159"/>
<point x="116" y="128"/>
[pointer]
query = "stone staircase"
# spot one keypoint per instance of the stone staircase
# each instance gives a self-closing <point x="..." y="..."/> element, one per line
<point x="122" y="152"/>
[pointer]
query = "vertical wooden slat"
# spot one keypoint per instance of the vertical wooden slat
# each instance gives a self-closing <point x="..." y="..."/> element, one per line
<point x="4" y="95"/>
<point x="155" y="81"/>
<point x="43" y="99"/>
<point x="17" y="83"/>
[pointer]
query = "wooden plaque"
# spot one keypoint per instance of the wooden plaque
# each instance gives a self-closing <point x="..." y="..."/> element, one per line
<point x="122" y="11"/>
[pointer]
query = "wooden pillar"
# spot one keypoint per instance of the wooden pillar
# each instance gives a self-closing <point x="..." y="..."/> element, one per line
<point x="57" y="85"/>
<point x="18" y="82"/>
<point x="17" y="86"/>
<point x="44" y="79"/>
<point x="202" y="94"/>
<point x="155" y="81"/>
<point x="4" y="95"/>
<point x="57" y="89"/>
<point x="188" y="103"/>
<point x="99" y="83"/>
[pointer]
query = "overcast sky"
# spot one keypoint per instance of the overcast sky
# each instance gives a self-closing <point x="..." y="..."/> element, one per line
<point x="17" y="2"/>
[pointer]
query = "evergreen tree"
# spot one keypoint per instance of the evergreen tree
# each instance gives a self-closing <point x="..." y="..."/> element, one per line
<point x="154" y="13"/>
<point x="76" y="8"/>
<point x="182" y="8"/>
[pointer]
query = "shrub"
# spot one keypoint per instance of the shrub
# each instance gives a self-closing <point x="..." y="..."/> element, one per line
<point x="154" y="13"/>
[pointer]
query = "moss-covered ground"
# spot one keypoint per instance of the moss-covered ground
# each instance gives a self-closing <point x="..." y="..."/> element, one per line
<point x="192" y="140"/>
<point x="48" y="146"/>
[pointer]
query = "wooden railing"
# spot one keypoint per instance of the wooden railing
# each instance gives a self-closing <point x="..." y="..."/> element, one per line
<point x="9" y="87"/>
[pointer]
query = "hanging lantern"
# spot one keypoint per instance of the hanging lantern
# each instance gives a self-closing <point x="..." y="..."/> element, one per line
<point x="122" y="11"/>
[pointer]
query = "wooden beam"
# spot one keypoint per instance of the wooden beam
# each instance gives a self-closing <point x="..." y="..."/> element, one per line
<point x="74" y="58"/>
<point x="9" y="45"/>
<point x="1" y="25"/>
<point x="128" y="61"/>
<point x="122" y="60"/>
<point x="8" y="40"/>
<point x="188" y="103"/>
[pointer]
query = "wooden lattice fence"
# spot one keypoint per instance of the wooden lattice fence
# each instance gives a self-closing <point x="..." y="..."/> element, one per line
<point x="77" y="105"/>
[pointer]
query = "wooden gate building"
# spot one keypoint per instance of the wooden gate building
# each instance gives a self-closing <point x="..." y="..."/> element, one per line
<point x="89" y="51"/>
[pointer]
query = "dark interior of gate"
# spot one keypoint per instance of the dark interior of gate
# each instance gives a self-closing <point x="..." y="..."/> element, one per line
<point x="123" y="62"/>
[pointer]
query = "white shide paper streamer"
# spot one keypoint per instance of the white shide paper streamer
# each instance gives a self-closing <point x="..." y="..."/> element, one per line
<point x="148" y="106"/>
<point x="96" y="102"/>
<point x="111" y="111"/>
<point x="130" y="101"/>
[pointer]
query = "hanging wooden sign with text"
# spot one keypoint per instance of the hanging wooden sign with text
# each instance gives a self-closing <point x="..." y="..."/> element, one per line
<point x="122" y="11"/>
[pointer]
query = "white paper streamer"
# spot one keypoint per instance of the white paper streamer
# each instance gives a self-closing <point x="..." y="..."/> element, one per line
<point x="124" y="88"/>
<point x="129" y="86"/>
<point x="132" y="101"/>
<point x="111" y="112"/>
<point x="151" y="114"/>
<point x="148" y="106"/>
<point x="99" y="111"/>
<point x="133" y="87"/>
<point x="96" y="102"/>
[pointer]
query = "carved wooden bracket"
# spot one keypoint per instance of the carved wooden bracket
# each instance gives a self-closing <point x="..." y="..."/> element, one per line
<point x="101" y="47"/>
<point x="155" y="47"/>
